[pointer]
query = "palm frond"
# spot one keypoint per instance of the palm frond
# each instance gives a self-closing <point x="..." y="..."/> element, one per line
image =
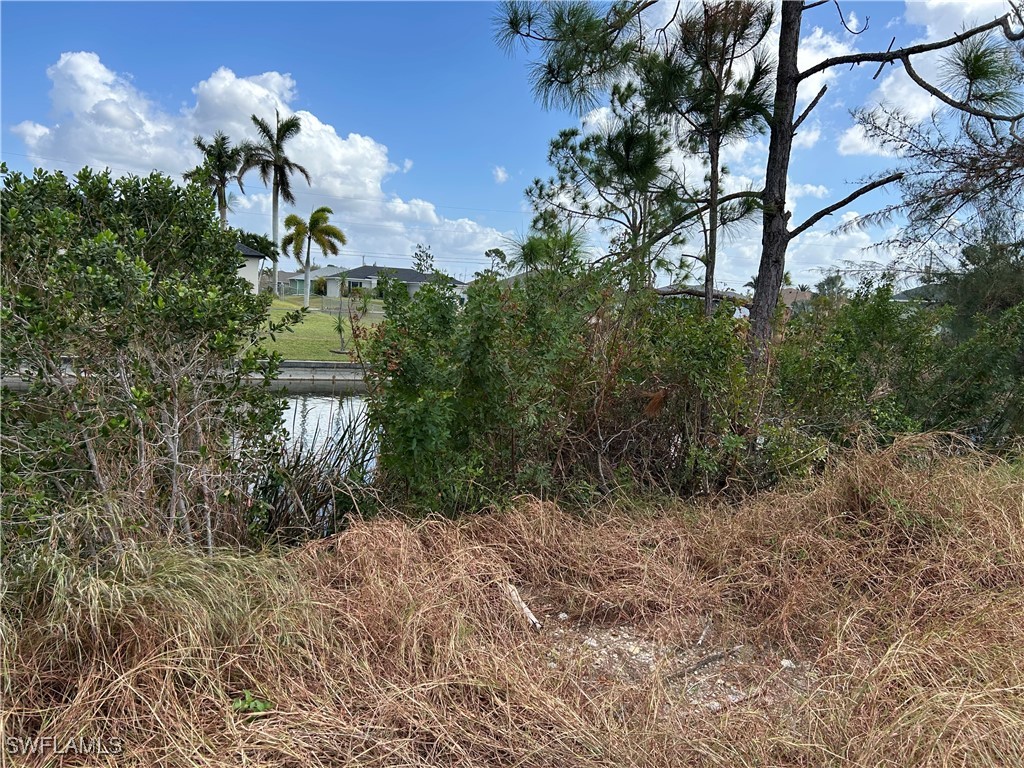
<point x="319" y="217"/>
<point x="287" y="129"/>
<point x="284" y="186"/>
<point x="333" y="232"/>
<point x="264" y="130"/>
<point x="293" y="220"/>
<point x="292" y="167"/>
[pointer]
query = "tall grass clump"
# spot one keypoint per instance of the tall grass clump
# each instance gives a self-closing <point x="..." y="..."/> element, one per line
<point x="318" y="483"/>
<point x="895" y="581"/>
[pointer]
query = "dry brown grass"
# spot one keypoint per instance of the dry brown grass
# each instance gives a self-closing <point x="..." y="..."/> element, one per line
<point x="896" y="580"/>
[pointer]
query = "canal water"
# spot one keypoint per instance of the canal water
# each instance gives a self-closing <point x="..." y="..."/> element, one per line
<point x="316" y="419"/>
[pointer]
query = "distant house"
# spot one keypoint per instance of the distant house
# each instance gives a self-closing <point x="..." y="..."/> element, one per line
<point x="250" y="270"/>
<point x="367" y="278"/>
<point x="792" y="297"/>
<point x="519" y="278"/>
<point x="297" y="280"/>
<point x="284" y="285"/>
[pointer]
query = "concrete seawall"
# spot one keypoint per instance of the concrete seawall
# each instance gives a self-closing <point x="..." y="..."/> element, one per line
<point x="296" y="377"/>
<point x="314" y="377"/>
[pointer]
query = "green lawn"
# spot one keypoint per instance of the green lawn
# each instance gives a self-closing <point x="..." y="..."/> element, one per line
<point x="314" y="338"/>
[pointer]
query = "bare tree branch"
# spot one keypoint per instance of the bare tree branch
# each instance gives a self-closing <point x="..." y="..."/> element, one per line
<point x="913" y="50"/>
<point x="842" y="19"/>
<point x="961" y="105"/>
<point x="842" y="203"/>
<point x="699" y="293"/>
<point x="812" y="105"/>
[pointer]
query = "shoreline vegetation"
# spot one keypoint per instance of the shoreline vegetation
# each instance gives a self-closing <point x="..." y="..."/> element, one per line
<point x="871" y="615"/>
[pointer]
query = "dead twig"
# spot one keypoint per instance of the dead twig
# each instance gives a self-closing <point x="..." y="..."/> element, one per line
<point x="523" y="607"/>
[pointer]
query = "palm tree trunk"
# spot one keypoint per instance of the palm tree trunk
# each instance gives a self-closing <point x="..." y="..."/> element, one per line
<point x="222" y="206"/>
<point x="305" y="297"/>
<point x="277" y="241"/>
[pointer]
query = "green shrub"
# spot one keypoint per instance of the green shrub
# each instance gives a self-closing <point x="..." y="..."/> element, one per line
<point x="980" y="387"/>
<point x="560" y="382"/>
<point x="874" y="364"/>
<point x="863" y="363"/>
<point x="123" y="307"/>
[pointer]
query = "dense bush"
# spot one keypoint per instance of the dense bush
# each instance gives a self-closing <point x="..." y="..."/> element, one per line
<point x="872" y="363"/>
<point x="847" y="364"/>
<point x="559" y="380"/>
<point x="562" y="381"/>
<point x="980" y="386"/>
<point x="123" y="308"/>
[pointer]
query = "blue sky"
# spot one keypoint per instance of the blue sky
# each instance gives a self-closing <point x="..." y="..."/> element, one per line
<point x="418" y="127"/>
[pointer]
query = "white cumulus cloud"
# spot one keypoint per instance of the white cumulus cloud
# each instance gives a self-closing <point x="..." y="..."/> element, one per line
<point x="500" y="174"/>
<point x="103" y="119"/>
<point x="854" y="141"/>
<point x="807" y="136"/>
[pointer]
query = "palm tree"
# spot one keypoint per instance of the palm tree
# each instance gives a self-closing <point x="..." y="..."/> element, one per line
<point x="274" y="166"/>
<point x="221" y="163"/>
<point x="787" y="280"/>
<point x="317" y="230"/>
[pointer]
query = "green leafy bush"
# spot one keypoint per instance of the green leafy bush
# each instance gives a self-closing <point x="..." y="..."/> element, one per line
<point x="847" y="365"/>
<point x="980" y="388"/>
<point x="124" y="310"/>
<point x="875" y="364"/>
<point x="558" y="382"/>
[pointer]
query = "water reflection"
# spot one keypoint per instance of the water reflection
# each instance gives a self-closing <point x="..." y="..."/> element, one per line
<point x="315" y="419"/>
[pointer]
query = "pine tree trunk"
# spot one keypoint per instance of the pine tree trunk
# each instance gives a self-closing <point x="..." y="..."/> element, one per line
<point x="713" y="218"/>
<point x="775" y="232"/>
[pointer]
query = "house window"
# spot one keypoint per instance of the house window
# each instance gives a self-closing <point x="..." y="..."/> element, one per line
<point x="355" y="283"/>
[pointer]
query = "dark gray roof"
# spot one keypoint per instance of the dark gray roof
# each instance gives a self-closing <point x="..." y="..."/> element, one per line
<point x="315" y="274"/>
<point x="401" y="274"/>
<point x="252" y="253"/>
<point x="927" y="293"/>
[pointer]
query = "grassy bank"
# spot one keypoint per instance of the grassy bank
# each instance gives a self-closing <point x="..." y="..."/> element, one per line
<point x="315" y="338"/>
<point x="874" y="616"/>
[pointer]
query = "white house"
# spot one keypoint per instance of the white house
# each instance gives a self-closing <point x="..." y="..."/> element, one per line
<point x="250" y="269"/>
<point x="297" y="280"/>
